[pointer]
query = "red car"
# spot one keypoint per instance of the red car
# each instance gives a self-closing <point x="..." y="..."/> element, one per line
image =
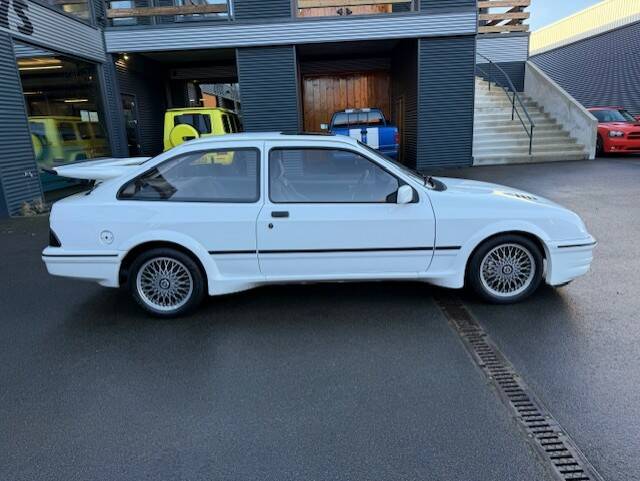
<point x="618" y="131"/>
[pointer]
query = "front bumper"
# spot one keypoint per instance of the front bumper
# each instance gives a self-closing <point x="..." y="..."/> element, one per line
<point x="569" y="259"/>
<point x="622" y="145"/>
<point x="101" y="267"/>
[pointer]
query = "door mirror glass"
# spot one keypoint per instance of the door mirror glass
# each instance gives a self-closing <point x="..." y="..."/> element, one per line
<point x="324" y="126"/>
<point x="405" y="194"/>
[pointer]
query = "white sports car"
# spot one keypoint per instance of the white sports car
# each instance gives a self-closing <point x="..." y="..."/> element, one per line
<point x="229" y="213"/>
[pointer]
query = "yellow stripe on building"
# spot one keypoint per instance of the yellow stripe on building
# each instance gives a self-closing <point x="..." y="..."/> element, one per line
<point x="599" y="18"/>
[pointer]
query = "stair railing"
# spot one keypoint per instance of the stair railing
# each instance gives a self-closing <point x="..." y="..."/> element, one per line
<point x="511" y="94"/>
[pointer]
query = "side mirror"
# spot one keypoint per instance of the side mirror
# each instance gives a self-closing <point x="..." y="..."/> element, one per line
<point x="405" y="195"/>
<point x="324" y="126"/>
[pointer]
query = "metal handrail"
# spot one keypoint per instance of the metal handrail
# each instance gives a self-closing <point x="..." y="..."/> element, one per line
<point x="515" y="96"/>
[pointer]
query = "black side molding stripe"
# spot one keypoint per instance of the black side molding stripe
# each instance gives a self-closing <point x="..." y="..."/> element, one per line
<point x="79" y="255"/>
<point x="328" y="251"/>
<point x="590" y="244"/>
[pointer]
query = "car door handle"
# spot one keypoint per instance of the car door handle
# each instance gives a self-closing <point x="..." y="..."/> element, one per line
<point x="279" y="213"/>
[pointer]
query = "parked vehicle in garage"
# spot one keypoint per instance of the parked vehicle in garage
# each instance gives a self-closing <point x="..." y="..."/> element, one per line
<point x="304" y="208"/>
<point x="369" y="126"/>
<point x="58" y="140"/>
<point x="618" y="131"/>
<point x="181" y="125"/>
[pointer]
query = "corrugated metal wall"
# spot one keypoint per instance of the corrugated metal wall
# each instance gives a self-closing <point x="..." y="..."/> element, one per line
<point x="359" y="64"/>
<point x="599" y="71"/>
<point x="429" y="4"/>
<point x="144" y="79"/>
<point x="404" y="86"/>
<point x="446" y="89"/>
<point x="269" y="89"/>
<point x="261" y="9"/>
<point x="112" y="109"/>
<point x="18" y="171"/>
<point x="515" y="71"/>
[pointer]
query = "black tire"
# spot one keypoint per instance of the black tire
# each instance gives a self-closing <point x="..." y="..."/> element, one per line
<point x="517" y="243"/>
<point x="188" y="272"/>
<point x="600" y="147"/>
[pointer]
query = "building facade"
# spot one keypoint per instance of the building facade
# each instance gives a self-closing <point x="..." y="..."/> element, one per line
<point x="83" y="79"/>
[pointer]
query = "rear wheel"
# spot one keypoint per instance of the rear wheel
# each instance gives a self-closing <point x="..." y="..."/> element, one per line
<point x="166" y="282"/>
<point x="506" y="269"/>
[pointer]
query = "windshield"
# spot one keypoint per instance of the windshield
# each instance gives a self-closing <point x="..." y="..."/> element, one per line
<point x="613" y="115"/>
<point x="403" y="167"/>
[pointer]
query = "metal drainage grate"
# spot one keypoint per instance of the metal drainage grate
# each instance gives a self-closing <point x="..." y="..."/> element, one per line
<point x="557" y="449"/>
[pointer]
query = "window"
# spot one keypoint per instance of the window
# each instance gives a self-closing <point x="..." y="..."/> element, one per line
<point x="210" y="176"/>
<point x="200" y="122"/>
<point x="67" y="132"/>
<point x="225" y="124"/>
<point x="329" y="176"/>
<point x="373" y="118"/>
<point x="613" y="116"/>
<point x="84" y="131"/>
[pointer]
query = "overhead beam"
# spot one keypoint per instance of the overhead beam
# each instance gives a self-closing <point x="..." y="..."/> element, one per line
<point x="159" y="11"/>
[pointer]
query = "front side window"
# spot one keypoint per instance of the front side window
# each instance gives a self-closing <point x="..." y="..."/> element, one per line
<point x="200" y="122"/>
<point x="225" y="124"/>
<point x="303" y="175"/>
<point x="67" y="132"/>
<point x="209" y="176"/>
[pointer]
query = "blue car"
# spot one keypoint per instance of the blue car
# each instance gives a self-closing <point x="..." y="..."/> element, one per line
<point x="369" y="127"/>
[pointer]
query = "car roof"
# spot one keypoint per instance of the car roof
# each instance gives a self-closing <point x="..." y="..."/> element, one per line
<point x="274" y="136"/>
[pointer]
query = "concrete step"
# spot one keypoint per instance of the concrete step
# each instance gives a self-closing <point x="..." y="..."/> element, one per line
<point x="547" y="132"/>
<point x="500" y="116"/>
<point x="508" y="128"/>
<point x="501" y="139"/>
<point x="525" y="159"/>
<point x="575" y="150"/>
<point x="506" y="109"/>
<point x="523" y="145"/>
<point x="505" y="121"/>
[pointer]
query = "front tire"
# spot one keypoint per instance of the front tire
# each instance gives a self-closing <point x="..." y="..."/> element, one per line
<point x="600" y="147"/>
<point x="166" y="282"/>
<point x="506" y="269"/>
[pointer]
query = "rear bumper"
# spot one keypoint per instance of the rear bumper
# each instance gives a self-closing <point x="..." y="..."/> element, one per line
<point x="100" y="267"/>
<point x="568" y="260"/>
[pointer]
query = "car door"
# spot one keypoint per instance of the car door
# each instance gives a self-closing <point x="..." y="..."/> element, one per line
<point x="331" y="212"/>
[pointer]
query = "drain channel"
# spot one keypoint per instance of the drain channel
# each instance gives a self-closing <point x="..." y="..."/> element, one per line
<point x="555" y="447"/>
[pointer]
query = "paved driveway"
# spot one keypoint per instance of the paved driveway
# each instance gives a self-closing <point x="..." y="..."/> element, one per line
<point x="364" y="381"/>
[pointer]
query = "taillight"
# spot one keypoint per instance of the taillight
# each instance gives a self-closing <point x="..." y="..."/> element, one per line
<point x="397" y="136"/>
<point x="53" y="239"/>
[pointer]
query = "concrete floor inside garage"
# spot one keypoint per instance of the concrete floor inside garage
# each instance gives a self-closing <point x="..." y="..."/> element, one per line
<point x="326" y="381"/>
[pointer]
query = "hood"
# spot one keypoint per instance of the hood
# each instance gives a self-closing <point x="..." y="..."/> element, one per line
<point x="474" y="187"/>
<point x="102" y="169"/>
<point x="623" y="126"/>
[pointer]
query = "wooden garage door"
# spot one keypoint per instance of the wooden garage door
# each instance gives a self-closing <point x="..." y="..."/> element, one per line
<point x="323" y="95"/>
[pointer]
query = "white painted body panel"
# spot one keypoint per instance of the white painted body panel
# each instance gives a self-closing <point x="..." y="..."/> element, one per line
<point x="430" y="240"/>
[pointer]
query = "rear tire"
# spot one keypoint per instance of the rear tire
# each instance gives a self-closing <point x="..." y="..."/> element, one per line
<point x="505" y="269"/>
<point x="166" y="282"/>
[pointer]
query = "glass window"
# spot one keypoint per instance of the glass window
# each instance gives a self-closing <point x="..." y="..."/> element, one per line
<point x="328" y="175"/>
<point x="200" y="122"/>
<point x="225" y="124"/>
<point x="77" y="8"/>
<point x="346" y="119"/>
<point x="613" y="116"/>
<point x="62" y="100"/>
<point x="212" y="176"/>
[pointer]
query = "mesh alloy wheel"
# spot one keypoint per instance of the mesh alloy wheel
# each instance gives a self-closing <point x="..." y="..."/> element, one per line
<point x="164" y="283"/>
<point x="507" y="270"/>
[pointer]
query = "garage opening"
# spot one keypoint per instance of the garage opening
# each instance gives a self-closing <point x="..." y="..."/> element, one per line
<point x="361" y="78"/>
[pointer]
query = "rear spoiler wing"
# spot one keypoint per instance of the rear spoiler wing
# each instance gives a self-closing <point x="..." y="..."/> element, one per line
<point x="99" y="170"/>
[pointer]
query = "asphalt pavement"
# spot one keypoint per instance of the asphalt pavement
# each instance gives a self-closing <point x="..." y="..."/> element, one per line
<point x="323" y="382"/>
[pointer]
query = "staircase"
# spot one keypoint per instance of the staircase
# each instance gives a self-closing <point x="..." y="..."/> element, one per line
<point x="499" y="140"/>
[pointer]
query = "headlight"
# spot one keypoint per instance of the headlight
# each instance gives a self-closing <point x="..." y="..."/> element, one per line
<point x="616" y="133"/>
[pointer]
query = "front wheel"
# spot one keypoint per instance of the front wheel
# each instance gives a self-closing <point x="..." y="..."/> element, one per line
<point x="600" y="147"/>
<point x="506" y="269"/>
<point x="166" y="282"/>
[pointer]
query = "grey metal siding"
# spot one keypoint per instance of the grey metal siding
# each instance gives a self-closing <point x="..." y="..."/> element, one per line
<point x="144" y="79"/>
<point x="513" y="47"/>
<point x="404" y="84"/>
<point x="446" y="89"/>
<point x="327" y="67"/>
<point x="19" y="181"/>
<point x="515" y="71"/>
<point x="269" y="89"/>
<point x="599" y="71"/>
<point x="261" y="9"/>
<point x="238" y="34"/>
<point x="59" y="32"/>
<point x="439" y="4"/>
<point x="112" y="109"/>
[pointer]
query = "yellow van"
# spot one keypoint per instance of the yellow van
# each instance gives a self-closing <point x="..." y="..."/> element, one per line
<point x="181" y="125"/>
<point x="60" y="139"/>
